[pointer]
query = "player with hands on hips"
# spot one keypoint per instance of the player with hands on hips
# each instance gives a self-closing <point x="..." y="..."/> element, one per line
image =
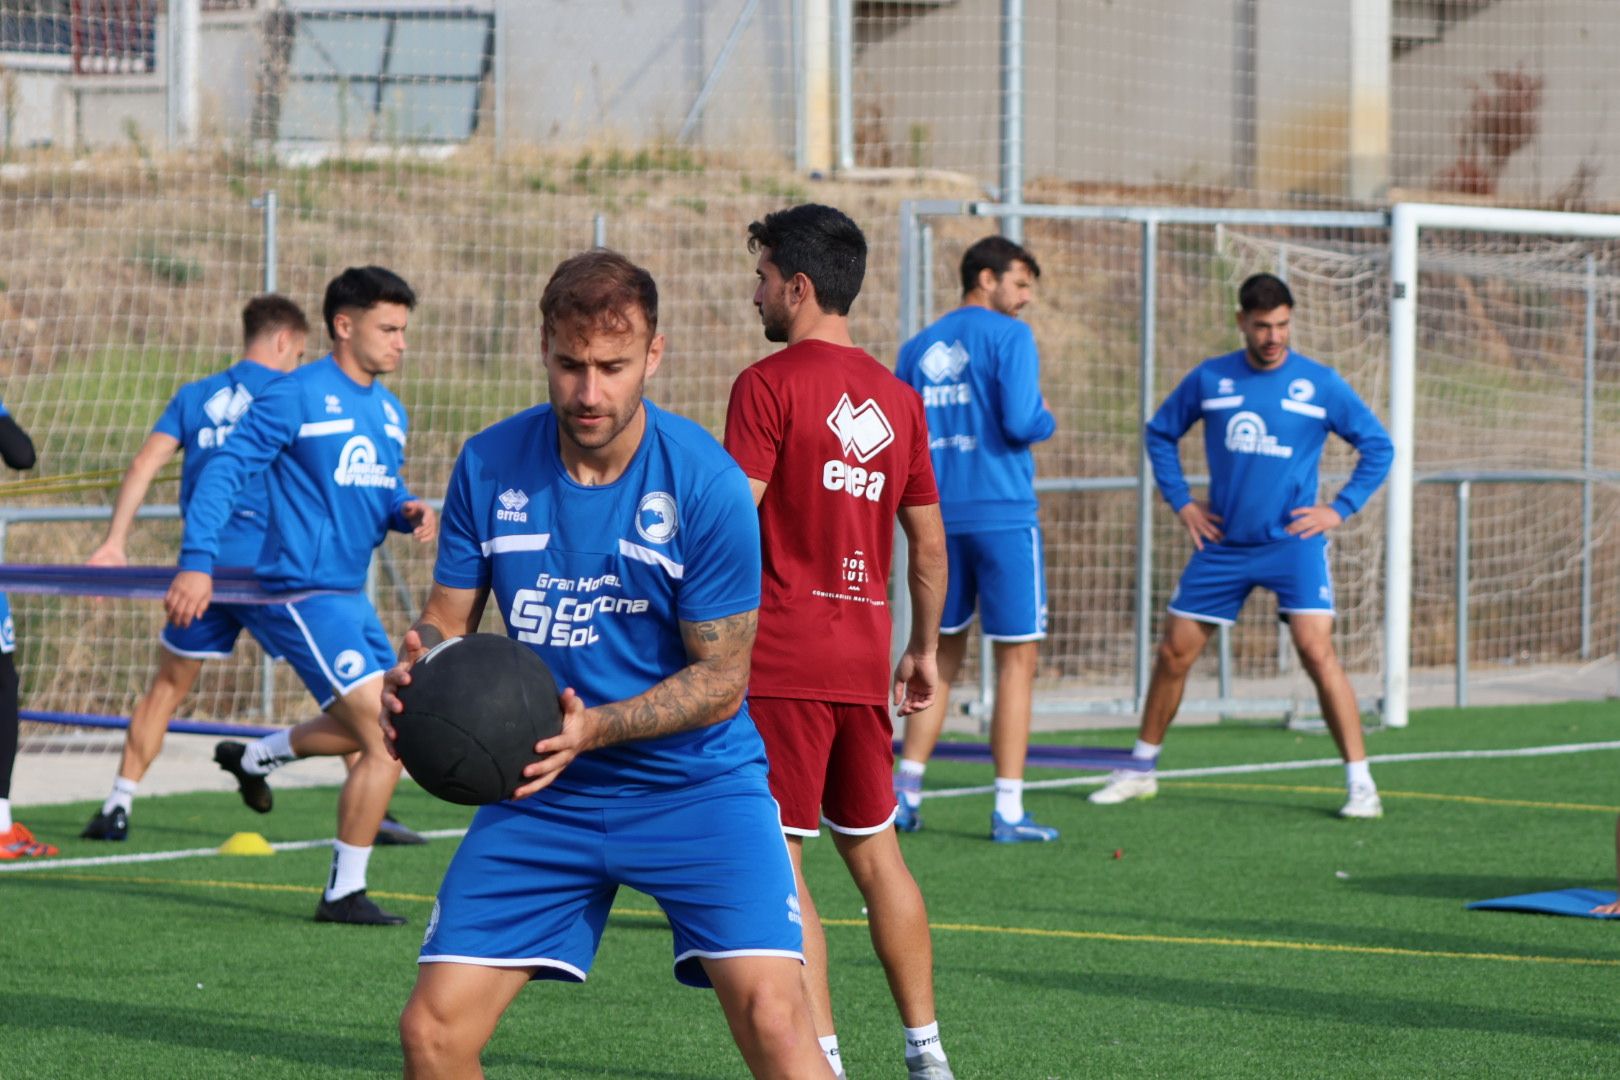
<point x="1267" y="412"/>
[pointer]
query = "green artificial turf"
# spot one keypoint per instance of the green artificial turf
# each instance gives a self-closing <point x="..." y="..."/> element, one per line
<point x="1241" y="931"/>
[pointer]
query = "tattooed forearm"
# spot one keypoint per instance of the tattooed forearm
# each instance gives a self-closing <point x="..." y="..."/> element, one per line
<point x="707" y="690"/>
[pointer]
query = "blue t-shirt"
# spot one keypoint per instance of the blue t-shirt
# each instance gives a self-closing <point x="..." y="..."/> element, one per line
<point x="200" y="416"/>
<point x="333" y="450"/>
<point x="979" y="376"/>
<point x="1263" y="436"/>
<point x="597" y="579"/>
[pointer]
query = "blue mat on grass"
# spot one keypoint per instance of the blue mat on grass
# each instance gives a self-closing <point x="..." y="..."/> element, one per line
<point x="1576" y="902"/>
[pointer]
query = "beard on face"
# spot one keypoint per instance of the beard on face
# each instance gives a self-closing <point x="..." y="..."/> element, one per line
<point x="595" y="438"/>
<point x="775" y="322"/>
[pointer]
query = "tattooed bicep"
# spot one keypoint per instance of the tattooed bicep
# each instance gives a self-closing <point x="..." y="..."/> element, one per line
<point x="715" y="638"/>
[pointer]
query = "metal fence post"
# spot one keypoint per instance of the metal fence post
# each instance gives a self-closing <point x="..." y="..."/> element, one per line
<point x="1464" y="492"/>
<point x="268" y="204"/>
<point x="1223" y="640"/>
<point x="844" y="43"/>
<point x="599" y="230"/>
<point x="1588" y="393"/>
<point x="1012" y="115"/>
<point x="1144" y="468"/>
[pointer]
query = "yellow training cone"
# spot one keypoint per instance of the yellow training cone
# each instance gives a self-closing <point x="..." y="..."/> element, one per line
<point x="246" y="843"/>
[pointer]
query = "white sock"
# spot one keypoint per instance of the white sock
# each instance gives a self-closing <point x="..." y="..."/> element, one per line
<point x="348" y="869"/>
<point x="829" y="1050"/>
<point x="924" y="1042"/>
<point x="268" y="754"/>
<point x="1145" y="751"/>
<point x="912" y="770"/>
<point x="1010" y="799"/>
<point x="122" y="797"/>
<point x="5" y="815"/>
<point x="1357" y="772"/>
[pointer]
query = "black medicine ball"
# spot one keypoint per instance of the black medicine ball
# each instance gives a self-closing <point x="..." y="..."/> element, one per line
<point x="474" y="708"/>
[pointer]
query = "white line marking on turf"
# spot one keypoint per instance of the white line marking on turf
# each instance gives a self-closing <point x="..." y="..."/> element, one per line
<point x="943" y="793"/>
<point x="21" y="866"/>
<point x="1290" y="766"/>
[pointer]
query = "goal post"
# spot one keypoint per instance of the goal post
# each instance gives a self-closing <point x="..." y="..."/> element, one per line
<point x="1407" y="221"/>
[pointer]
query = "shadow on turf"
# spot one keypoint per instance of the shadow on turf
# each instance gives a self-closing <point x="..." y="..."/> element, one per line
<point x="1359" y="1007"/>
<point x="1459" y="887"/>
<point x="169" y="1027"/>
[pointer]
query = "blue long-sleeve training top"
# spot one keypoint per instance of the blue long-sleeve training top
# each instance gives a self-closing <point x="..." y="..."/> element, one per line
<point x="979" y="376"/>
<point x="1263" y="438"/>
<point x="201" y="417"/>
<point x="334" y="450"/>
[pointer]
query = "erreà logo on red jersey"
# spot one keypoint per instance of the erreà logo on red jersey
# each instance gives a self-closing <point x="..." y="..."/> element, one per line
<point x="862" y="432"/>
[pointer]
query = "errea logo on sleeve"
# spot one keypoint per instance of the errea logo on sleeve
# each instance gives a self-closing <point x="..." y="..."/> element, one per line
<point x="862" y="433"/>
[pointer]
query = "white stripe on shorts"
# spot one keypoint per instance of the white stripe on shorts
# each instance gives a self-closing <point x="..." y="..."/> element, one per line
<point x="484" y="961"/>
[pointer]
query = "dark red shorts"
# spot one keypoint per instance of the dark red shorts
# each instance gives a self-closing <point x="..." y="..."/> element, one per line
<point x="830" y="761"/>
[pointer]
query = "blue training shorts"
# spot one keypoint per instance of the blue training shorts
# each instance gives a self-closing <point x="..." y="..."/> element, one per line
<point x="211" y="637"/>
<point x="1003" y="574"/>
<point x="533" y="881"/>
<point x="334" y="641"/>
<point x="1220" y="577"/>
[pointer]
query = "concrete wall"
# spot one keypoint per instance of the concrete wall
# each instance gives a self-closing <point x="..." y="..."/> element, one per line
<point x="1243" y="93"/>
<point x="1571" y="45"/>
<point x="593" y="71"/>
<point x="1181" y="91"/>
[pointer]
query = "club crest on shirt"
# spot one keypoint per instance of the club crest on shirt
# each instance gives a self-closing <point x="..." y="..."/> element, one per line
<point x="1301" y="390"/>
<point x="512" y="503"/>
<point x="656" y="517"/>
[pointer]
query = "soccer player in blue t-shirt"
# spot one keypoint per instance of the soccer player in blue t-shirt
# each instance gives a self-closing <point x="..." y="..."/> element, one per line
<point x="1267" y="412"/>
<point x="198" y="420"/>
<point x="619" y="541"/>
<point x="16" y="841"/>
<point x="979" y="376"/>
<point x="333" y="441"/>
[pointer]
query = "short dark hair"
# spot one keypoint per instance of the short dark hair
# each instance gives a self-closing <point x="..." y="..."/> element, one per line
<point x="1264" y="292"/>
<point x="364" y="287"/>
<point x="820" y="242"/>
<point x="594" y="289"/>
<point x="995" y="254"/>
<point x="271" y="312"/>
